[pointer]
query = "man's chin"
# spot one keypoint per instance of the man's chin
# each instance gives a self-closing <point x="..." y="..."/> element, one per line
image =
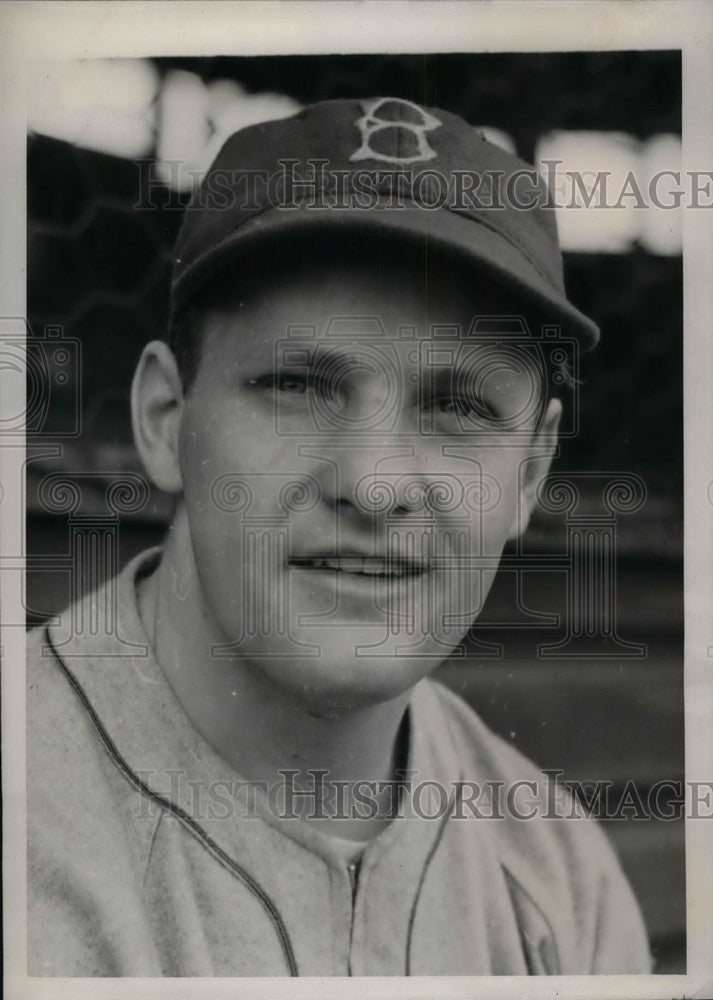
<point x="333" y="703"/>
<point x="341" y="681"/>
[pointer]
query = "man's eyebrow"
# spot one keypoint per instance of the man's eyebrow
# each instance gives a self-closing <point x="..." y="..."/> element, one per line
<point x="441" y="363"/>
<point x="466" y="362"/>
<point x="317" y="356"/>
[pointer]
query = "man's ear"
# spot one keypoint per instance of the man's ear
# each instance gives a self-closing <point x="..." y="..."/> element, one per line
<point x="156" y="407"/>
<point x="536" y="466"/>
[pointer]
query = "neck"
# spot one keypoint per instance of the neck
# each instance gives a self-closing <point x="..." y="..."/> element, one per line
<point x="255" y="725"/>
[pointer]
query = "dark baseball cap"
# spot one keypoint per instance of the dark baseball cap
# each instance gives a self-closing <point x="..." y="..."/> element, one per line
<point x="386" y="165"/>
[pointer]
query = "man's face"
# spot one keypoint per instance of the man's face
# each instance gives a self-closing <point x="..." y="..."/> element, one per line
<point x="352" y="456"/>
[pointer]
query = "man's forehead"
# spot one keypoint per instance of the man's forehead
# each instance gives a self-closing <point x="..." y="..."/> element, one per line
<point x="360" y="341"/>
<point x="472" y="331"/>
<point x="351" y="339"/>
<point x="360" y="355"/>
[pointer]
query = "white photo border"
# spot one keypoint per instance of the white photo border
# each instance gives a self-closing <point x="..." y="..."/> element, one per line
<point x="50" y="30"/>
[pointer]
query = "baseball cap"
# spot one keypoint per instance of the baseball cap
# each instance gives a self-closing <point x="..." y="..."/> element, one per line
<point x="388" y="165"/>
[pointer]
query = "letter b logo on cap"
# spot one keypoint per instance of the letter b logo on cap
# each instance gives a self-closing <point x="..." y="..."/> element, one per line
<point x="391" y="123"/>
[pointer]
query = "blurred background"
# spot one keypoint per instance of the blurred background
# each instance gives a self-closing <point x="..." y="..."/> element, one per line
<point x="114" y="148"/>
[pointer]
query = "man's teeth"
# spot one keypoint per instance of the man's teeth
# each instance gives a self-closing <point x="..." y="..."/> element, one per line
<point x="362" y="565"/>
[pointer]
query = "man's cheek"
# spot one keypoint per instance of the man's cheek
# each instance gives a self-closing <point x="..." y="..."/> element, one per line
<point x="206" y="458"/>
<point x="498" y="511"/>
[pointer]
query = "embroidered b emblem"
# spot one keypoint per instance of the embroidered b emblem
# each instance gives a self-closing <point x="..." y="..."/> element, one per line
<point x="388" y="118"/>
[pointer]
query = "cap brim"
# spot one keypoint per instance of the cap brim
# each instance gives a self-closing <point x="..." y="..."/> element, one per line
<point x="472" y="240"/>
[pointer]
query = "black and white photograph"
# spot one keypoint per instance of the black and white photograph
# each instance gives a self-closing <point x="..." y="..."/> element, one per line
<point x="356" y="487"/>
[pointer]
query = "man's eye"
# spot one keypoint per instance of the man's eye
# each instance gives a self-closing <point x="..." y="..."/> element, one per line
<point x="292" y="383"/>
<point x="463" y="408"/>
<point x="296" y="384"/>
<point x="283" y="382"/>
<point x="453" y="404"/>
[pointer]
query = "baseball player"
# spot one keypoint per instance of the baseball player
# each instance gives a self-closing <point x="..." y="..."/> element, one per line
<point x="238" y="765"/>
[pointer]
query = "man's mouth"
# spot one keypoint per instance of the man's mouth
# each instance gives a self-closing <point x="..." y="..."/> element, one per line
<point x="367" y="566"/>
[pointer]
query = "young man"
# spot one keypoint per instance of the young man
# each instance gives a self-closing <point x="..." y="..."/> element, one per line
<point x="249" y="773"/>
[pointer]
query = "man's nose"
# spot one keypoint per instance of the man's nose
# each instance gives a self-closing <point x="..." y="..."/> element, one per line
<point x="374" y="398"/>
<point x="373" y="449"/>
<point x="372" y="477"/>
